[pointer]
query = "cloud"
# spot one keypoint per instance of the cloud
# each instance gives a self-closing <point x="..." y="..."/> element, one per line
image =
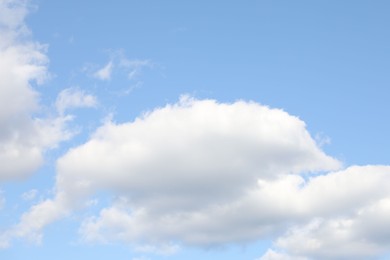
<point x="140" y="258"/>
<point x="105" y="72"/>
<point x="273" y="255"/>
<point x="132" y="68"/>
<point x="23" y="137"/>
<point x="186" y="172"/>
<point x="347" y="211"/>
<point x="2" y="202"/>
<point x="29" y="195"/>
<point x="33" y="221"/>
<point x="360" y="235"/>
<point x="74" y="98"/>
<point x="164" y="249"/>
<point x="12" y="14"/>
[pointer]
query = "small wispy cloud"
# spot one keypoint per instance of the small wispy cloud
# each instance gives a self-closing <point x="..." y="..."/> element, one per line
<point x="71" y="40"/>
<point x="165" y="249"/>
<point x="140" y="258"/>
<point x="131" y="68"/>
<point x="29" y="195"/>
<point x="322" y="139"/>
<point x="134" y="67"/>
<point x="2" y="202"/>
<point x="74" y="98"/>
<point x="105" y="72"/>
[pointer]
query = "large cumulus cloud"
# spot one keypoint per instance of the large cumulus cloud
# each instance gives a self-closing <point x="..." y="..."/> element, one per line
<point x="198" y="171"/>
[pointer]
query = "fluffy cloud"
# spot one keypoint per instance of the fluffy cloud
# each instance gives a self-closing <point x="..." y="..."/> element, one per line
<point x="347" y="211"/>
<point x="362" y="234"/>
<point x="23" y="138"/>
<point x="73" y="98"/>
<point x="186" y="172"/>
<point x="33" y="221"/>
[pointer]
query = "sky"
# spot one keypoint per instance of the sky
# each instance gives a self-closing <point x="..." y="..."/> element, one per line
<point x="148" y="130"/>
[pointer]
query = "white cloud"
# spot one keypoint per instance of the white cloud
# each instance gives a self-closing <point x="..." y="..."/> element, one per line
<point x="22" y="63"/>
<point x="360" y="235"/>
<point x="105" y="72"/>
<point x="186" y="172"/>
<point x="347" y="211"/>
<point x="12" y="14"/>
<point x="33" y="221"/>
<point x="74" y="98"/>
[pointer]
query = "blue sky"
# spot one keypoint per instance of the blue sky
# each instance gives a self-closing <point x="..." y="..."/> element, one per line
<point x="194" y="130"/>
